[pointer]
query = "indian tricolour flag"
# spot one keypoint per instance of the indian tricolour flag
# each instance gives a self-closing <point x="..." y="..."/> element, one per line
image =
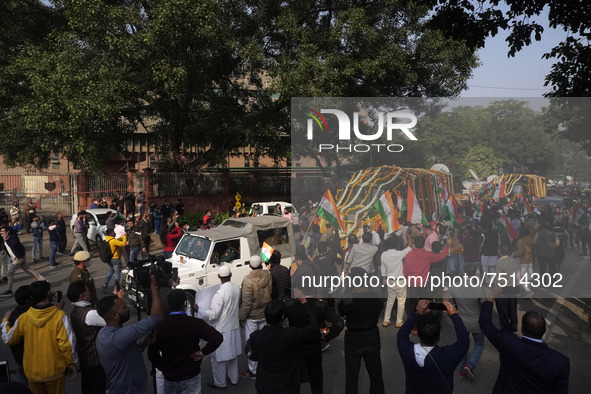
<point x="527" y="210"/>
<point x="504" y="226"/>
<point x="414" y="214"/>
<point x="327" y="210"/>
<point x="479" y="208"/>
<point x="487" y="187"/>
<point x="443" y="194"/>
<point x="579" y="216"/>
<point x="266" y="252"/>
<point x="450" y="209"/>
<point x="400" y="204"/>
<point x="472" y="199"/>
<point x="386" y="209"/>
<point x="500" y="190"/>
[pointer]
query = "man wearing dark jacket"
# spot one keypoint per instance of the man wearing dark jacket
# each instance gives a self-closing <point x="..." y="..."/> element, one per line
<point x="429" y="368"/>
<point x="176" y="352"/>
<point x="61" y="231"/>
<point x="134" y="241"/>
<point x="280" y="277"/>
<point x="277" y="350"/>
<point x="362" y="338"/>
<point x="18" y="259"/>
<point x="144" y="227"/>
<point x="311" y="349"/>
<point x="528" y="365"/>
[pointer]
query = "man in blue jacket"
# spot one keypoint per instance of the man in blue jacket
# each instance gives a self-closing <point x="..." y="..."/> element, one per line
<point x="18" y="259"/>
<point x="528" y="365"/>
<point x="429" y="368"/>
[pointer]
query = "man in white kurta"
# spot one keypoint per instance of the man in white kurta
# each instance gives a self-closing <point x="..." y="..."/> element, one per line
<point x="223" y="316"/>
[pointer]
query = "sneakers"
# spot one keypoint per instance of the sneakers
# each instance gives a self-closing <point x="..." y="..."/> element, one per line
<point x="463" y="375"/>
<point x="468" y="372"/>
<point x="105" y="288"/>
<point x="52" y="265"/>
<point x="7" y="293"/>
<point x="248" y="375"/>
<point x="386" y="323"/>
<point x="398" y="325"/>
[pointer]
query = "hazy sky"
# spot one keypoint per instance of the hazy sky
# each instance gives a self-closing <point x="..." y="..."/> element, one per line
<point x="519" y="76"/>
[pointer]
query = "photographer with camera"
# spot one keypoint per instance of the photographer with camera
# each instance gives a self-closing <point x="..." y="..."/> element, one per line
<point x="117" y="346"/>
<point x="428" y="367"/>
<point x="166" y="279"/>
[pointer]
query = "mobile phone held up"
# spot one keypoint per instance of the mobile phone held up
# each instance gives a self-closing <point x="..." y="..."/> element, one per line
<point x="58" y="296"/>
<point x="437" y="306"/>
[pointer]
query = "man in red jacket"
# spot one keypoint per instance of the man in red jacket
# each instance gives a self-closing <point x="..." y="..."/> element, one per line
<point x="416" y="271"/>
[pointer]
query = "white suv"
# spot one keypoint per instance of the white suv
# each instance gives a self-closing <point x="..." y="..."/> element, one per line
<point x="268" y="208"/>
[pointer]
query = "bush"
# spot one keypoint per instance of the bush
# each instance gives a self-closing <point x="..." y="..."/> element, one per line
<point x="193" y="220"/>
<point x="220" y="217"/>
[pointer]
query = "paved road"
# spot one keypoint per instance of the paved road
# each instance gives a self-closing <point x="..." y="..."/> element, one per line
<point x="568" y="333"/>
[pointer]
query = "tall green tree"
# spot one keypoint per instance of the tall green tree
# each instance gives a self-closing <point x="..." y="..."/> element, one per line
<point x="211" y="73"/>
<point x="518" y="136"/>
<point x="177" y="67"/>
<point x="343" y="48"/>
<point x="482" y="160"/>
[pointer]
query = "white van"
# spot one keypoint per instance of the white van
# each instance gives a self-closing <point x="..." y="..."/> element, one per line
<point x="200" y="254"/>
<point x="268" y="208"/>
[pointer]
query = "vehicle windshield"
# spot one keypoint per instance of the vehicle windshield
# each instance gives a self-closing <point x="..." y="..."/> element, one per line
<point x="193" y="247"/>
<point x="102" y="218"/>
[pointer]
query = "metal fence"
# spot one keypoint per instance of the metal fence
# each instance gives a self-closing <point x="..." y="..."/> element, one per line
<point x="107" y="185"/>
<point x="60" y="192"/>
<point x="51" y="193"/>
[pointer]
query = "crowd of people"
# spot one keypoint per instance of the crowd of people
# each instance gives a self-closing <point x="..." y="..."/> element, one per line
<point x="287" y="325"/>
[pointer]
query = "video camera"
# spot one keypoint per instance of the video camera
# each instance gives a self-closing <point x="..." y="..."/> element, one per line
<point x="160" y="268"/>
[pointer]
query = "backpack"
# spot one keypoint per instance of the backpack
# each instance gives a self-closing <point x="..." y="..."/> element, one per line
<point x="104" y="249"/>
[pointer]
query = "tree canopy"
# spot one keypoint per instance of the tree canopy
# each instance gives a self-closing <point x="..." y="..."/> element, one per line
<point x="505" y="136"/>
<point x="210" y="73"/>
<point x="78" y="77"/>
